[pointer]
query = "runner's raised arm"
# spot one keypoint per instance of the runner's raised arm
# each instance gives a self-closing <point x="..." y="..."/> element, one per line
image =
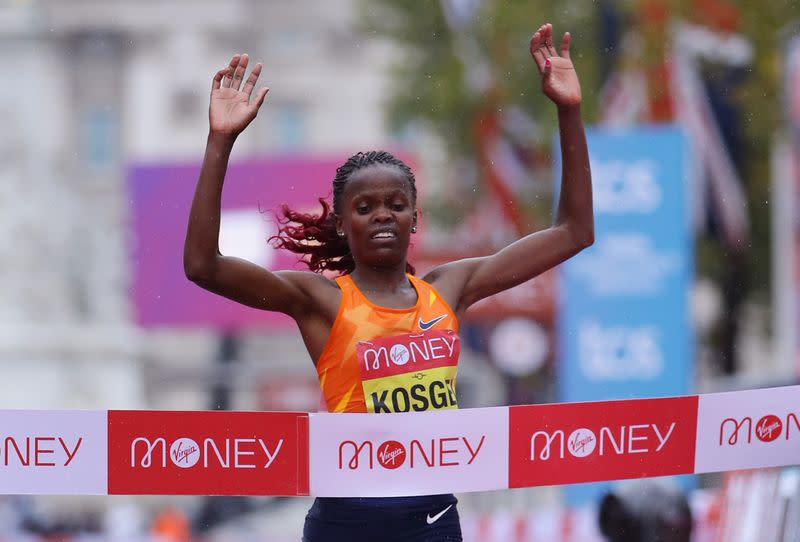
<point x="231" y="110"/>
<point x="469" y="280"/>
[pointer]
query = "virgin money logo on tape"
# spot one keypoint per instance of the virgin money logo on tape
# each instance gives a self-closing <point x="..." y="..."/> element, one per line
<point x="50" y="452"/>
<point x="408" y="454"/>
<point x="742" y="431"/>
<point x="450" y="451"/>
<point x="584" y="442"/>
<point x="756" y="428"/>
<point x="770" y="427"/>
<point x="391" y="454"/>
<point x="215" y="453"/>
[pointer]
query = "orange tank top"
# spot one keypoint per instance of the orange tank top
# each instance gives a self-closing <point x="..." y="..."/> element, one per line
<point x="379" y="359"/>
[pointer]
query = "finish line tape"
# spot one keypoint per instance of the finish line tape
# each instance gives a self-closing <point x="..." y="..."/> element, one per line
<point x="345" y="455"/>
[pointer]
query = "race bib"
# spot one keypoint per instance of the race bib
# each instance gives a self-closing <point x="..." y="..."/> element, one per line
<point x="413" y="372"/>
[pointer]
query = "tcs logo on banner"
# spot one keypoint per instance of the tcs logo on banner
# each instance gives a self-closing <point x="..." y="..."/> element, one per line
<point x="621" y="187"/>
<point x="605" y="440"/>
<point x="213" y="453"/>
<point x="620" y="352"/>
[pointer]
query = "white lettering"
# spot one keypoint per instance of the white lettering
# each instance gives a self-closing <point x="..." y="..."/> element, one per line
<point x="662" y="441"/>
<point x="270" y="455"/>
<point x="619" y="447"/>
<point x="625" y="187"/>
<point x="450" y="345"/>
<point x="209" y="443"/>
<point x="148" y="455"/>
<point x="548" y="439"/>
<point x="632" y="438"/>
<point x="237" y="453"/>
<point x="620" y="352"/>
<point x="435" y="348"/>
<point x="423" y="352"/>
<point x="377" y="355"/>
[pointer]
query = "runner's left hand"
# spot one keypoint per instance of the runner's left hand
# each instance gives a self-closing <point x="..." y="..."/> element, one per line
<point x="559" y="80"/>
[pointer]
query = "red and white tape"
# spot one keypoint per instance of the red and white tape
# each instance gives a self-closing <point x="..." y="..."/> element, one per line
<point x="294" y="453"/>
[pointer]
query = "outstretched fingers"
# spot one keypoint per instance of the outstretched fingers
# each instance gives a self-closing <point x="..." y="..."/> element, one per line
<point x="229" y="71"/>
<point x="565" y="41"/>
<point x="251" y="80"/>
<point x="217" y="81"/>
<point x="536" y="48"/>
<point x="238" y="74"/>
<point x="548" y="40"/>
<point x="260" y="95"/>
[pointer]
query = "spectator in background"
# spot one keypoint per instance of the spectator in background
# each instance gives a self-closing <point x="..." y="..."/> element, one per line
<point x="645" y="512"/>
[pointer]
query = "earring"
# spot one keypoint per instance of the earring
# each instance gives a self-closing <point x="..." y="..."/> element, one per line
<point x="413" y="229"/>
<point x="341" y="233"/>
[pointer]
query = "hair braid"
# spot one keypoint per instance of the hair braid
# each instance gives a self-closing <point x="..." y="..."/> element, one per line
<point x="314" y="237"/>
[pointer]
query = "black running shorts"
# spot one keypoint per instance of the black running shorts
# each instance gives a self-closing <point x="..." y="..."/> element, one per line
<point x="431" y="518"/>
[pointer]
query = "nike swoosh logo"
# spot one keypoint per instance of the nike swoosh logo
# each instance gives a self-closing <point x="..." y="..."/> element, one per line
<point x="430" y="323"/>
<point x="437" y="516"/>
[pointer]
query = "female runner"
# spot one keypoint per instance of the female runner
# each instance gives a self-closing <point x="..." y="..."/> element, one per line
<point x="365" y="236"/>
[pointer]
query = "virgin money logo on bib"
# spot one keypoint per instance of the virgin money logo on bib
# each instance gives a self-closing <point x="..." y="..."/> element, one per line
<point x="413" y="372"/>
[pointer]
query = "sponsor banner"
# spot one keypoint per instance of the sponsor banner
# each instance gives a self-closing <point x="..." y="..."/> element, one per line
<point x="614" y="344"/>
<point x="624" y="328"/>
<point x="161" y="197"/>
<point x="609" y="440"/>
<point x="436" y="452"/>
<point x="748" y="429"/>
<point x="52" y="452"/>
<point x="207" y="453"/>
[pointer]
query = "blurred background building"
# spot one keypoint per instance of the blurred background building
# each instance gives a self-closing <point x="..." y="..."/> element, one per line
<point x="98" y="90"/>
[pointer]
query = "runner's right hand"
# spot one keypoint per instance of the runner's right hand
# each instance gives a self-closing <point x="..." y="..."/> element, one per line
<point x="231" y="109"/>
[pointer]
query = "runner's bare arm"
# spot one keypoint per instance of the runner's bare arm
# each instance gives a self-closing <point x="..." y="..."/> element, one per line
<point x="230" y="111"/>
<point x="466" y="281"/>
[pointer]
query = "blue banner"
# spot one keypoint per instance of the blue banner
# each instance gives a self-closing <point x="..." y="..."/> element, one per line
<point x="624" y="326"/>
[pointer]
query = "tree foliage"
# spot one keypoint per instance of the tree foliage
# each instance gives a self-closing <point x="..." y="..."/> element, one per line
<point x="428" y="83"/>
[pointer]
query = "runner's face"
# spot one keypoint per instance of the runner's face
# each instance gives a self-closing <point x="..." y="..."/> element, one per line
<point x="377" y="216"/>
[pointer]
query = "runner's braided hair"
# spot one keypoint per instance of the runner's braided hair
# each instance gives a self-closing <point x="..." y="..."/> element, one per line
<point x="314" y="237"/>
